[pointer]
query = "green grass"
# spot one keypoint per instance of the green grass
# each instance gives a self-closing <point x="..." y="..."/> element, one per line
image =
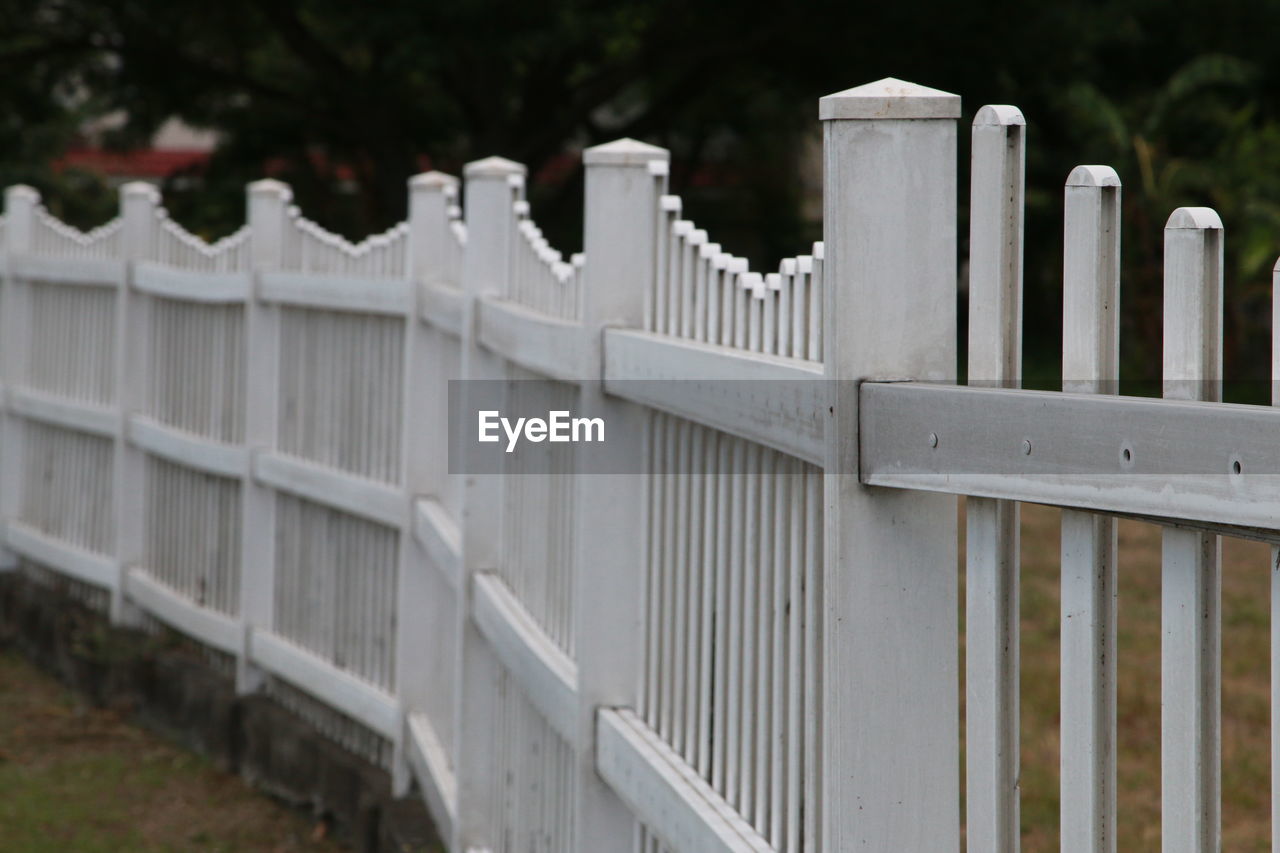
<point x="1245" y="688"/>
<point x="74" y="778"/>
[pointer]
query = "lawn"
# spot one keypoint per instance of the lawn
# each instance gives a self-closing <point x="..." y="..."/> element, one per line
<point x="1245" y="687"/>
<point x="76" y="778"/>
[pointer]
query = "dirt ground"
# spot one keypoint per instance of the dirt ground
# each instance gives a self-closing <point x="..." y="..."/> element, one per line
<point x="75" y="778"/>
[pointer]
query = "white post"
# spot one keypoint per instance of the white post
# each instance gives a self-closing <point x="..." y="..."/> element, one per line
<point x="991" y="565"/>
<point x="423" y="440"/>
<point x="1090" y="365"/>
<point x="1191" y="619"/>
<point x="19" y="214"/>
<point x="1275" y="582"/>
<point x="620" y="244"/>
<point x="890" y="692"/>
<point x="138" y="203"/>
<point x="492" y="186"/>
<point x="267" y="214"/>
<point x="430" y="197"/>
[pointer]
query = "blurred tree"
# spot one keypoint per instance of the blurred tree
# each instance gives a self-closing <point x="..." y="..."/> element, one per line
<point x="303" y="88"/>
<point x="1199" y="139"/>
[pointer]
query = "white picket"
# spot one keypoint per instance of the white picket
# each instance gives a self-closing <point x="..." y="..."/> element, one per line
<point x="992" y="562"/>
<point x="1190" y="587"/>
<point x="1090" y="364"/>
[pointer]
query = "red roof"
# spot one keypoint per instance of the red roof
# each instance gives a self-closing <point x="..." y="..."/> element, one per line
<point x="143" y="163"/>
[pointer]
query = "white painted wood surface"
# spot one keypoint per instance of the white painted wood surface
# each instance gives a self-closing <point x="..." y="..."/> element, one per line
<point x="326" y="486"/>
<point x="548" y="677"/>
<point x="439" y="536"/>
<point x="1190" y="584"/>
<point x="992" y="795"/>
<point x="191" y="451"/>
<point x="771" y="400"/>
<point x="890" y="704"/>
<point x="158" y="279"/>
<point x="607" y="529"/>
<point x="550" y="347"/>
<point x="1275" y="582"/>
<point x="1090" y="364"/>
<point x="492" y="186"/>
<point x="59" y="411"/>
<point x="682" y="809"/>
<point x="76" y="562"/>
<point x="89" y="272"/>
<point x="337" y="293"/>
<point x="351" y="695"/>
<point x="181" y="613"/>
<point x="266" y="210"/>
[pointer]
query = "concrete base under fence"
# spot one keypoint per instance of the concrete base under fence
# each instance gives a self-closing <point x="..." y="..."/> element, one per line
<point x="165" y="684"/>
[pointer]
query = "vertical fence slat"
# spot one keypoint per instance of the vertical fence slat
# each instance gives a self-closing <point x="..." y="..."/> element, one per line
<point x="1190" y="765"/>
<point x="991" y="573"/>
<point x="1090" y="364"/>
<point x="889" y="687"/>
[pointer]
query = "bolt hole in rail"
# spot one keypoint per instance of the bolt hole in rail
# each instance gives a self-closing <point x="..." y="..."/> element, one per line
<point x="245" y="441"/>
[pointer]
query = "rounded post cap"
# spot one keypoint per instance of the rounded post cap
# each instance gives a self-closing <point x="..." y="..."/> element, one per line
<point x="999" y="115"/>
<point x="270" y="187"/>
<point x="1093" y="176"/>
<point x="1195" y="219"/>
<point x="22" y="192"/>
<point x="889" y="98"/>
<point x="432" y="180"/>
<point x="624" y="152"/>
<point x="493" y="167"/>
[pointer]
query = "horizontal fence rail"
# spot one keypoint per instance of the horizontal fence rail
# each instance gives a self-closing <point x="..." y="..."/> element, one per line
<point x="738" y="634"/>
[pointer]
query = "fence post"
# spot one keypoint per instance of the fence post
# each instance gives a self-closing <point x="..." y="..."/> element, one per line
<point x="138" y="203"/>
<point x="423" y="437"/>
<point x="19" y="212"/>
<point x="267" y="215"/>
<point x="491" y="189"/>
<point x="890" y="706"/>
<point x="430" y="196"/>
<point x="620" y="244"/>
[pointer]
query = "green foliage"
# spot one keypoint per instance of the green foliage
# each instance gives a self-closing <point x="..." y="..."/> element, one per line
<point x="1180" y="97"/>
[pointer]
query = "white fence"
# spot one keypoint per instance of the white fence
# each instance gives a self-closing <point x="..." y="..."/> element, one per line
<point x="752" y="647"/>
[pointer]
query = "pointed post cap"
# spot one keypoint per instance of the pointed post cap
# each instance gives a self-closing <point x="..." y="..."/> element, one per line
<point x="268" y="187"/>
<point x="624" y="152"/>
<point x="432" y="180"/>
<point x="493" y="167"/>
<point x="889" y="98"/>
